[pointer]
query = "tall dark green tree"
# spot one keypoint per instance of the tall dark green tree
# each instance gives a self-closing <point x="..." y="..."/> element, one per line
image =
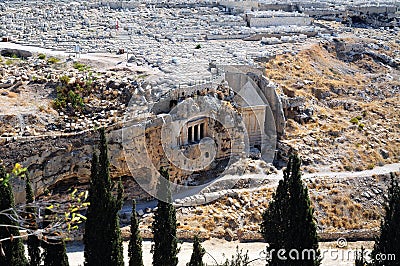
<point x="135" y="243"/>
<point x="165" y="246"/>
<point x="388" y="243"/>
<point x="102" y="238"/>
<point x="55" y="253"/>
<point x="198" y="252"/>
<point x="33" y="242"/>
<point x="288" y="222"/>
<point x="11" y="250"/>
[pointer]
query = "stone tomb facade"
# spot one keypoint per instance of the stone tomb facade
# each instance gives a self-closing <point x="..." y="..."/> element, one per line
<point x="205" y="130"/>
<point x="194" y="131"/>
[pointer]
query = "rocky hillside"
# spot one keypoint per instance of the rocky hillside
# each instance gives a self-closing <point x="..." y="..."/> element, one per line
<point x="347" y="92"/>
<point x="349" y="207"/>
<point x="48" y="95"/>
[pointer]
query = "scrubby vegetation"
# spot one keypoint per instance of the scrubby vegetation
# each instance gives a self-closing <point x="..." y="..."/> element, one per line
<point x="70" y="96"/>
<point x="53" y="60"/>
<point x="9" y="62"/>
<point x="239" y="259"/>
<point x="80" y="66"/>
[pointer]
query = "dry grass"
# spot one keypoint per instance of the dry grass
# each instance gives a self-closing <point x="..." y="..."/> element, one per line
<point x="338" y="210"/>
<point x="316" y="71"/>
<point x="338" y="207"/>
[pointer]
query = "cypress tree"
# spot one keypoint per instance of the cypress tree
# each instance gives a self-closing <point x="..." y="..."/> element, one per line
<point x="102" y="238"/>
<point x="96" y="189"/>
<point x="388" y="243"/>
<point x="164" y="226"/>
<point x="198" y="253"/>
<point x="33" y="242"/>
<point x="117" y="255"/>
<point x="55" y="253"/>
<point x="135" y="243"/>
<point x="11" y="251"/>
<point x="288" y="222"/>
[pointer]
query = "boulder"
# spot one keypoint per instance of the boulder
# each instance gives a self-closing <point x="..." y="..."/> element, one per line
<point x="229" y="234"/>
<point x="384" y="153"/>
<point x="16" y="53"/>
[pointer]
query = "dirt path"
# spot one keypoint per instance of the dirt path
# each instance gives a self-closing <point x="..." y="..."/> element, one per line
<point x="385" y="169"/>
<point x="218" y="250"/>
<point x="223" y="185"/>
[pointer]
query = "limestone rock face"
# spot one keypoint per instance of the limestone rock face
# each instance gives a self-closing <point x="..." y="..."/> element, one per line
<point x="56" y="159"/>
<point x="137" y="150"/>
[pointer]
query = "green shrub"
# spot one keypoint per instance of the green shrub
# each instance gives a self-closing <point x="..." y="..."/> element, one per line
<point x="53" y="60"/>
<point x="198" y="46"/>
<point x="143" y="76"/>
<point x="64" y="79"/>
<point x="42" y="56"/>
<point x="71" y="94"/>
<point x="61" y="101"/>
<point x="361" y="126"/>
<point x="66" y="95"/>
<point x="354" y="121"/>
<point x="9" y="62"/>
<point x="80" y="66"/>
<point x="89" y="83"/>
<point x="75" y="99"/>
